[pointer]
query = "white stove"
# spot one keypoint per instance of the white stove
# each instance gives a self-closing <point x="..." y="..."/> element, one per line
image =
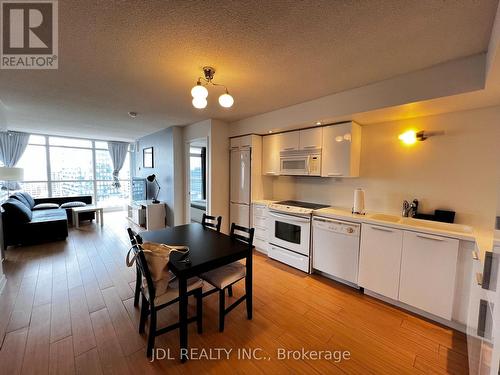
<point x="290" y="235"/>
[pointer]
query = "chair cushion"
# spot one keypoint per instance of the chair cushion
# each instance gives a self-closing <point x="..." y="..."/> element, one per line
<point x="17" y="210"/>
<point x="28" y="198"/>
<point x="73" y="204"/>
<point x="168" y="291"/>
<point x="21" y="198"/>
<point x="225" y="275"/>
<point x="45" y="206"/>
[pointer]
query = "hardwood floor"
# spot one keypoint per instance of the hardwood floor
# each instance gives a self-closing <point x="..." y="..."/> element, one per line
<point x="68" y="308"/>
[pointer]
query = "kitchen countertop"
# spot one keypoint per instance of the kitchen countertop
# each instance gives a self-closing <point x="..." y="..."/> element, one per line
<point x="266" y="202"/>
<point x="483" y="240"/>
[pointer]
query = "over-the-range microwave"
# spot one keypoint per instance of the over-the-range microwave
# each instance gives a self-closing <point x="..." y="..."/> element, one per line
<point x="300" y="163"/>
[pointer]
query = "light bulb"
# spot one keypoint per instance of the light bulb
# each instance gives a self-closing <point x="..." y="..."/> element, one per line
<point x="226" y="100"/>
<point x="339" y="138"/>
<point x="199" y="91"/>
<point x="409" y="137"/>
<point x="199" y="102"/>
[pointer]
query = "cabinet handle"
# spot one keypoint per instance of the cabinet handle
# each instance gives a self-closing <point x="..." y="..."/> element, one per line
<point x="382" y="229"/>
<point x="479" y="278"/>
<point x="430" y="238"/>
<point x="488" y="260"/>
<point x="481" y="319"/>
<point x="314" y="146"/>
<point x="271" y="173"/>
<point x="475" y="256"/>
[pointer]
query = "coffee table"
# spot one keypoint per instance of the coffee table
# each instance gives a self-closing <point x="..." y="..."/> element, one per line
<point x="89" y="208"/>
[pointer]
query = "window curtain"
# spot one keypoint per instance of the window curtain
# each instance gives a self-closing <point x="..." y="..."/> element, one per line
<point x="12" y="147"/>
<point x="118" y="153"/>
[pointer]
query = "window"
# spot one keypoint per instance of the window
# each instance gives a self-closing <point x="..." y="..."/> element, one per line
<point x="197" y="175"/>
<point x="34" y="163"/>
<point x="70" y="164"/>
<point x="76" y="167"/>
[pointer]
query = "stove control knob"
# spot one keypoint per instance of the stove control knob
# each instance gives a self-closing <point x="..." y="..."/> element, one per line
<point x="350" y="230"/>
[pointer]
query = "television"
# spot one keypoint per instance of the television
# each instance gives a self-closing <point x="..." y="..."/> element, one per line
<point x="139" y="189"/>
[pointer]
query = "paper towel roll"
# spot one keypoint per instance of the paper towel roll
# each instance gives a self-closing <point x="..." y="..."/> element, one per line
<point x="359" y="202"/>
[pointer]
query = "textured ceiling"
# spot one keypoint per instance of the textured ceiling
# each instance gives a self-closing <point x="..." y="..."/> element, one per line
<point x="117" y="56"/>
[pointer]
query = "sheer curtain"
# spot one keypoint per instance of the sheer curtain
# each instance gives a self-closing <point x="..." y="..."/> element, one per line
<point x="12" y="147"/>
<point x="118" y="153"/>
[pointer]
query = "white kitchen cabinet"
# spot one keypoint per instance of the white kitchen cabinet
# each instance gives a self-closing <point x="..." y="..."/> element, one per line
<point x="271" y="155"/>
<point x="428" y="269"/>
<point x="341" y="150"/>
<point x="380" y="259"/>
<point x="241" y="142"/>
<point x="289" y="141"/>
<point x="259" y="222"/>
<point x="310" y="139"/>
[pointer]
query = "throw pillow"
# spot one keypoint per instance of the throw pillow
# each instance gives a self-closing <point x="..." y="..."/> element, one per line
<point x="17" y="210"/>
<point x="45" y="206"/>
<point x="73" y="204"/>
<point x="28" y="198"/>
<point x="21" y="199"/>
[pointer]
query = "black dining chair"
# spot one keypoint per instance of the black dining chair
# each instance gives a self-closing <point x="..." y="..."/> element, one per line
<point x="160" y="294"/>
<point x="134" y="240"/>
<point x="211" y="222"/>
<point x="225" y="277"/>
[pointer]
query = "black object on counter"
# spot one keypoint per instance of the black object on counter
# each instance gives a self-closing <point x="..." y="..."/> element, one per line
<point x="439" y="215"/>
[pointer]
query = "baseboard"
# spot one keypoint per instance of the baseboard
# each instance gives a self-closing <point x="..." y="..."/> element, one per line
<point x="449" y="323"/>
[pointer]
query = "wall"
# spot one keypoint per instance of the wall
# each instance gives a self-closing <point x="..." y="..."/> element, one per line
<point x="456" y="171"/>
<point x="467" y="74"/>
<point x="166" y="157"/>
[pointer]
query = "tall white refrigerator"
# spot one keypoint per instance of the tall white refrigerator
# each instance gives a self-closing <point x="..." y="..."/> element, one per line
<point x="240" y="186"/>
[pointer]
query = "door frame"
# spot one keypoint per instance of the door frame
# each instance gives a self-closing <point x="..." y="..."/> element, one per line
<point x="187" y="165"/>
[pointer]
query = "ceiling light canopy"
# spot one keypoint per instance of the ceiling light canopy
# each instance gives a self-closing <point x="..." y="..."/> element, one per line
<point x="200" y="92"/>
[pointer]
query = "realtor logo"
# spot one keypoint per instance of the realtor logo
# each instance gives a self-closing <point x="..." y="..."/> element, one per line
<point x="29" y="35"/>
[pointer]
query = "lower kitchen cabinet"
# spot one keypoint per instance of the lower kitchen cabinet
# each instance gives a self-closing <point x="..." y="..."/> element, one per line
<point x="428" y="270"/>
<point x="259" y="222"/>
<point x="380" y="259"/>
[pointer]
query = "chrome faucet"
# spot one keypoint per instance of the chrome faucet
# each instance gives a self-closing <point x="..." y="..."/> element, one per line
<point x="409" y="209"/>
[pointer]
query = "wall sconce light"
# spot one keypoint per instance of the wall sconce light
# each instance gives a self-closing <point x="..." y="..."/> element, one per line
<point x="200" y="92"/>
<point x="411" y="136"/>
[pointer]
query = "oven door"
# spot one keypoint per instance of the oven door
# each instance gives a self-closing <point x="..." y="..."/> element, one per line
<point x="290" y="232"/>
<point x="294" y="165"/>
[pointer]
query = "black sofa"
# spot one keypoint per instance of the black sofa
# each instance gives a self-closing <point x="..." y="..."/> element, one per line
<point x="24" y="223"/>
<point x="69" y="213"/>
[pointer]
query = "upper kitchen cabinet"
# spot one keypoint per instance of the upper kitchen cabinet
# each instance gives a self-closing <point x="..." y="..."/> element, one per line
<point x="289" y="141"/>
<point x="341" y="150"/>
<point x="310" y="139"/>
<point x="303" y="140"/>
<point x="271" y="155"/>
<point x="241" y="142"/>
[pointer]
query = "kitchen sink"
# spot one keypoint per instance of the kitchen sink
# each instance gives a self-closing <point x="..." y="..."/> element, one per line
<point x="385" y="217"/>
<point x="435" y="225"/>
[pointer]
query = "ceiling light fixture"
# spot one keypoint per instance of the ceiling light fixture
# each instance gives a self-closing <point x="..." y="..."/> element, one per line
<point x="318" y="122"/>
<point x="200" y="92"/>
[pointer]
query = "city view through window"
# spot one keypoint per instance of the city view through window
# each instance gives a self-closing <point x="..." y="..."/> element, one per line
<point x="58" y="167"/>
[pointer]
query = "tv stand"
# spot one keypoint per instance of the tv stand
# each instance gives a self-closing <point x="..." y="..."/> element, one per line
<point x="147" y="215"/>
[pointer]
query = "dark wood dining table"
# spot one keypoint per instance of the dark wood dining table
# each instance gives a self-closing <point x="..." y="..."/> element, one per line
<point x="208" y="250"/>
